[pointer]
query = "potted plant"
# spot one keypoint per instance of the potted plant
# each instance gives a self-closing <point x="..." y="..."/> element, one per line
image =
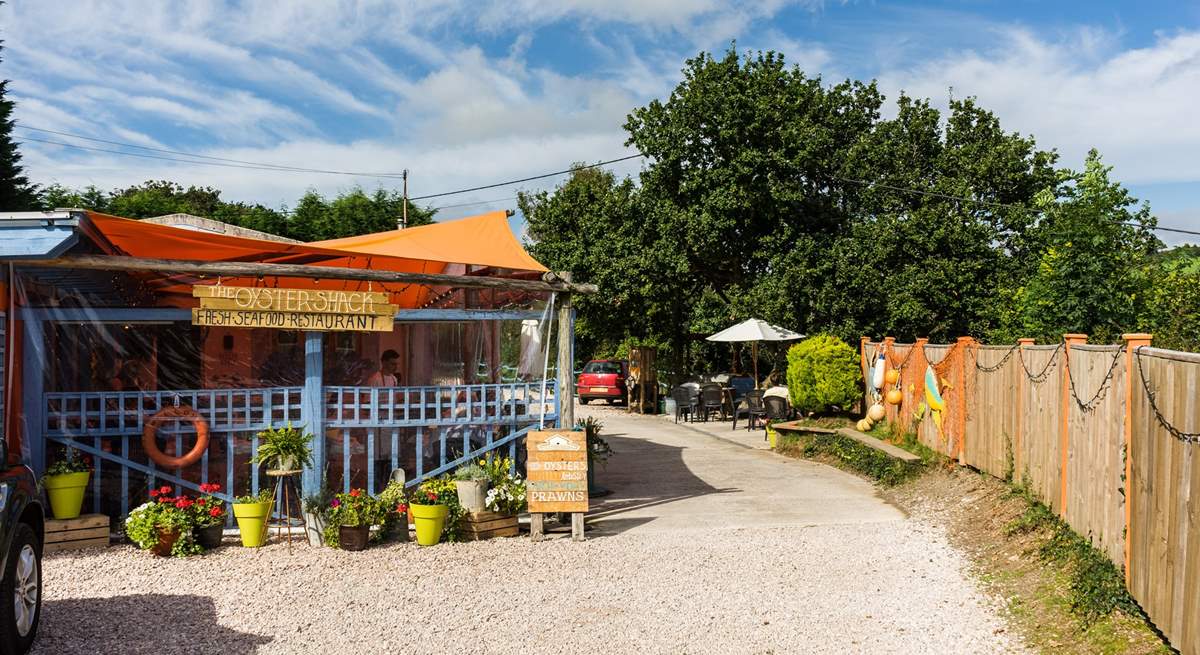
<point x="598" y="452"/>
<point x="430" y="508"/>
<point x="395" y="502"/>
<point x="163" y="525"/>
<point x="471" y="483"/>
<point x="284" y="449"/>
<point x="316" y="512"/>
<point x="252" y="513"/>
<point x="353" y="513"/>
<point x="208" y="515"/>
<point x="65" y="482"/>
<point x="507" y="495"/>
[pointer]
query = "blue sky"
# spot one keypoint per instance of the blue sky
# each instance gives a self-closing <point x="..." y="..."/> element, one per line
<point x="468" y="93"/>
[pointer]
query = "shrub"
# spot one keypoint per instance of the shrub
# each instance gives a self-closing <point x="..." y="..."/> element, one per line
<point x="823" y="371"/>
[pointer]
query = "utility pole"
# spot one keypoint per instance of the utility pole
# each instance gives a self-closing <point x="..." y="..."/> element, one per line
<point x="404" y="215"/>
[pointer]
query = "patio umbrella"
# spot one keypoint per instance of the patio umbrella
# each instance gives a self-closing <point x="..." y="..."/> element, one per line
<point x="754" y="330"/>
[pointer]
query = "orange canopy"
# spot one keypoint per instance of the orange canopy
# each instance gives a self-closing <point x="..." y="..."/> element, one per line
<point x="484" y="240"/>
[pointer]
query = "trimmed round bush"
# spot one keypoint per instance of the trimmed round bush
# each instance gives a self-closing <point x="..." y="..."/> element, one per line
<point x="823" y="371"/>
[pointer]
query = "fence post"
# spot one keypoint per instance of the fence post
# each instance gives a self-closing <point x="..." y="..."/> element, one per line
<point x="889" y="410"/>
<point x="1064" y="442"/>
<point x="919" y="375"/>
<point x="862" y="365"/>
<point x="964" y="344"/>
<point x="1020" y="373"/>
<point x="1133" y="341"/>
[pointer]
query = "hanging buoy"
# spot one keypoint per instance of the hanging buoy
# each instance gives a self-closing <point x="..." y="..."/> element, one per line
<point x="877" y="373"/>
<point x="876" y="412"/>
<point x="891" y="377"/>
<point x="895" y="397"/>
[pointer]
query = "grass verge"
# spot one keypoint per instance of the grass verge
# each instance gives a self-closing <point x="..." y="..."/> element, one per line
<point x="847" y="453"/>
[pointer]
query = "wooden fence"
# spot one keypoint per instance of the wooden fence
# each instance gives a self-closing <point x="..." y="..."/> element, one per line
<point x="1104" y="435"/>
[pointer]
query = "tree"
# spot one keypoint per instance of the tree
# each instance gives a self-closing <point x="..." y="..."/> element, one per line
<point x="597" y="228"/>
<point x="1093" y="275"/>
<point x="351" y="213"/>
<point x="16" y="193"/>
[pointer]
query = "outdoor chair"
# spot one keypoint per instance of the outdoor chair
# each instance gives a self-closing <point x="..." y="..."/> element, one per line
<point x="685" y="403"/>
<point x="776" y="408"/>
<point x="711" y="399"/>
<point x="741" y="385"/>
<point x="751" y="407"/>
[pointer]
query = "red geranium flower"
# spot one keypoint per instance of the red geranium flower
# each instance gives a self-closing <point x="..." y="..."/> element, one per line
<point x="183" y="503"/>
<point x="199" y="501"/>
<point x="432" y="496"/>
<point x="355" y="493"/>
<point x="164" y="490"/>
<point x="401" y="508"/>
<point x="216" y="511"/>
<point x="153" y="493"/>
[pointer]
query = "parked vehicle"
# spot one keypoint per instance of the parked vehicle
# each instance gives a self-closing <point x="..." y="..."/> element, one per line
<point x="22" y="531"/>
<point x="603" y="379"/>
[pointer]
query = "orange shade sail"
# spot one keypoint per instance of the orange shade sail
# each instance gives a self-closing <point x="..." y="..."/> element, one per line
<point x="483" y="240"/>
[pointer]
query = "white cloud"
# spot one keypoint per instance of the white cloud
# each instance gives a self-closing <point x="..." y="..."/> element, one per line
<point x="1137" y="106"/>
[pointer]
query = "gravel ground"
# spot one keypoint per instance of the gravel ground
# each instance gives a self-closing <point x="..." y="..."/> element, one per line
<point x="705" y="547"/>
<point x="895" y="587"/>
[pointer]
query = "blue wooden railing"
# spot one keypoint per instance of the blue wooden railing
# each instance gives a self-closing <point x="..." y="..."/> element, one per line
<point x="459" y="423"/>
<point x="443" y="426"/>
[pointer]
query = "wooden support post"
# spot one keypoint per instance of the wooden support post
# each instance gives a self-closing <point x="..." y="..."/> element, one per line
<point x="577" y="526"/>
<point x="1133" y="341"/>
<point x="312" y="410"/>
<point x="536" y="529"/>
<point x="1064" y="442"/>
<point x="566" y="367"/>
<point x="964" y="343"/>
<point x="1019" y="371"/>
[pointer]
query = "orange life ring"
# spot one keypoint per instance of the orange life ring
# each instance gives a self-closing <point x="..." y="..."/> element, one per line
<point x="150" y="430"/>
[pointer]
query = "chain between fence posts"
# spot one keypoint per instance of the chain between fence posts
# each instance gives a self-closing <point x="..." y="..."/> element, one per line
<point x="1065" y="409"/>
<point x="1019" y="372"/>
<point x="1133" y="341"/>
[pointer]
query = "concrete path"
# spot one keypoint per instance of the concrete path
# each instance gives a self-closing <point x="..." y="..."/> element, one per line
<point x="676" y="477"/>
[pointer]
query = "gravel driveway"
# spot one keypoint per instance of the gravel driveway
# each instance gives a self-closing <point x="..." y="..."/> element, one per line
<point x="670" y="568"/>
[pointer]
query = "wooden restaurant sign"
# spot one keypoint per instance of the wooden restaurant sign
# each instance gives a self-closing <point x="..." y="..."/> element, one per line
<point x="557" y="471"/>
<point x="293" y="309"/>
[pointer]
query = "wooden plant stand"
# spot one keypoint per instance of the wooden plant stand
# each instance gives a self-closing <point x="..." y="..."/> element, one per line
<point x="86" y="531"/>
<point x="486" y="525"/>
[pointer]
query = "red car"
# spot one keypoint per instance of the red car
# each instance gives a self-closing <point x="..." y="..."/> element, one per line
<point x="602" y="379"/>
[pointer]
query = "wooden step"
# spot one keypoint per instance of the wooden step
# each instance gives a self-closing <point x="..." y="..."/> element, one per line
<point x="86" y="531"/>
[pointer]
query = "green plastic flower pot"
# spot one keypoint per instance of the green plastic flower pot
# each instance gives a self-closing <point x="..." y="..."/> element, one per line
<point x="66" y="493"/>
<point x="252" y="522"/>
<point x="429" y="519"/>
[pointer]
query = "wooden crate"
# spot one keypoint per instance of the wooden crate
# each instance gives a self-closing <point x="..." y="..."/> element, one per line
<point x="87" y="531"/>
<point x="485" y="525"/>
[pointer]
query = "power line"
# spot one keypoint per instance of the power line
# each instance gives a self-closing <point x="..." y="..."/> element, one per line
<point x="528" y="179"/>
<point x="257" y="165"/>
<point x="990" y="203"/>
<point x="250" y="165"/>
<point x="477" y="202"/>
